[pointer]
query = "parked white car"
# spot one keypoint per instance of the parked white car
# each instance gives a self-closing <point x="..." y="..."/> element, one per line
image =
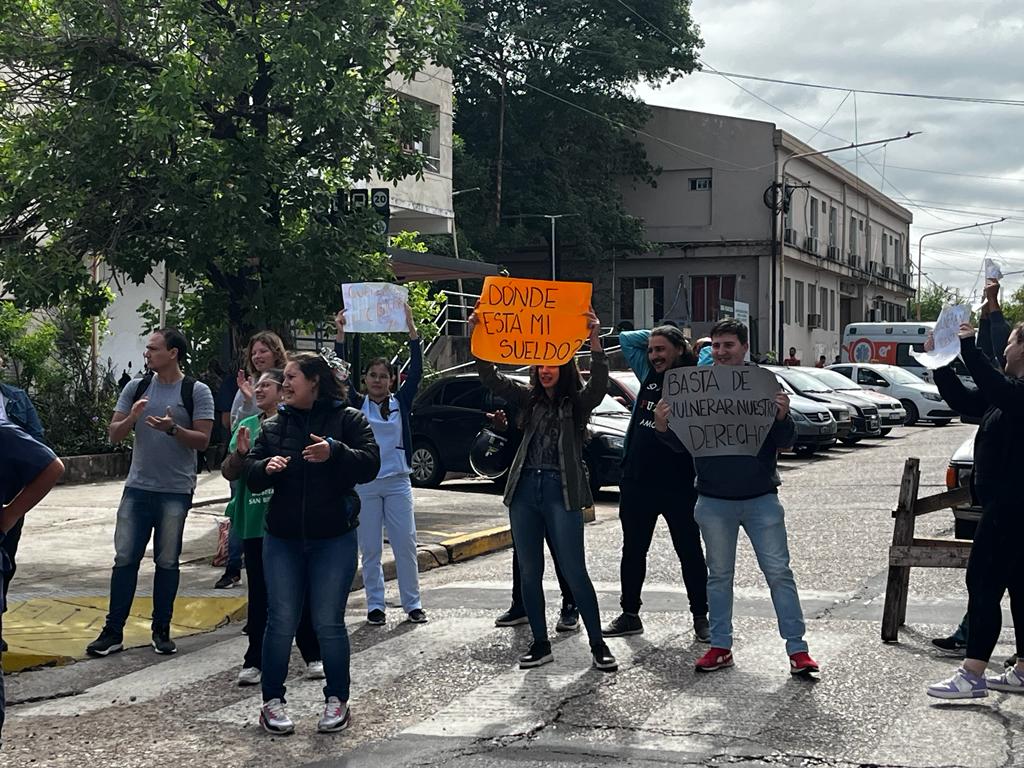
<point x="891" y="412"/>
<point x="921" y="400"/>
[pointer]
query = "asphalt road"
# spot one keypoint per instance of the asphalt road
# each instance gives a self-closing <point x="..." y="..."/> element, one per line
<point x="449" y="692"/>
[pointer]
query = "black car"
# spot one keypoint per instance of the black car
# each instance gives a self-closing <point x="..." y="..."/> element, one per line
<point x="449" y="414"/>
<point x="866" y="422"/>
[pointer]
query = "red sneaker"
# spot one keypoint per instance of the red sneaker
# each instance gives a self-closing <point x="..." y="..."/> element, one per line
<point x="715" y="658"/>
<point x="802" y="664"/>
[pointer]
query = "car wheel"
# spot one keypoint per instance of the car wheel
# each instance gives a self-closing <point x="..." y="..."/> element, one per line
<point x="943" y="422"/>
<point x="427" y="471"/>
<point x="964" y="529"/>
<point x="849" y="440"/>
<point x="912" y="414"/>
<point x="804" y="450"/>
<point x="886" y="432"/>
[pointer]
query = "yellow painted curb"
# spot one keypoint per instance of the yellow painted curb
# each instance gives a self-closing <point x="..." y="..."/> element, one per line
<point x="477" y="543"/>
<point x="56" y="630"/>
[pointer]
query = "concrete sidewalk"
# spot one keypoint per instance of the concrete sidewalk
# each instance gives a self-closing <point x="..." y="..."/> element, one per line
<point x="58" y="600"/>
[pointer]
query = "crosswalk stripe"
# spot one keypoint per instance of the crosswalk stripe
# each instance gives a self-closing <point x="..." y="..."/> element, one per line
<point x="719" y="708"/>
<point x="377" y="666"/>
<point x="518" y="701"/>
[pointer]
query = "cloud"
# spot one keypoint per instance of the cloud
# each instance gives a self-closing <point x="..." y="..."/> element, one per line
<point x="919" y="46"/>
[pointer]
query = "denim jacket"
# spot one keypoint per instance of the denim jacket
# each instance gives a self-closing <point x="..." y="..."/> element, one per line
<point x="21" y="411"/>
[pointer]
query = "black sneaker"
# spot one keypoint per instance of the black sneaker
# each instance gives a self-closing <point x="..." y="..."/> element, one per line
<point x="951" y="646"/>
<point x="162" y="642"/>
<point x="107" y="643"/>
<point x="568" y="619"/>
<point x="603" y="659"/>
<point x="624" y="624"/>
<point x="418" y="616"/>
<point x="228" y="580"/>
<point x="539" y="654"/>
<point x="702" y="629"/>
<point x="1010" y="662"/>
<point x="513" y="616"/>
<point x="376" y="618"/>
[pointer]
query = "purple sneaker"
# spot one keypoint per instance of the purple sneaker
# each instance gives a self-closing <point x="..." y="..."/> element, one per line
<point x="1010" y="680"/>
<point x="962" y="685"/>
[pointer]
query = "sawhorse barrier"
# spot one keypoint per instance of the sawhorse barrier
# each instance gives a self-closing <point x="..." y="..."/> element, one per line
<point x="908" y="551"/>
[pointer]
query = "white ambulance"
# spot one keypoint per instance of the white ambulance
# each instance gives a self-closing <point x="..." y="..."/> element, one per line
<point x="890" y="343"/>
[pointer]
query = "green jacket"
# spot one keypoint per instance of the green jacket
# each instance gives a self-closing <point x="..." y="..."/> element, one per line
<point x="247" y="510"/>
<point x="576" y="492"/>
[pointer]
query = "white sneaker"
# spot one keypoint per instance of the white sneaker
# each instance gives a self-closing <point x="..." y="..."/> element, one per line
<point x="336" y="717"/>
<point x="250" y="676"/>
<point x="274" y="718"/>
<point x="1010" y="680"/>
<point x="315" y="670"/>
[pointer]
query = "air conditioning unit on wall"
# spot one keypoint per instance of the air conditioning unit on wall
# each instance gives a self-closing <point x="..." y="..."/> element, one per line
<point x="813" y="321"/>
<point x="790" y="236"/>
<point x="811" y="244"/>
<point x="833" y="252"/>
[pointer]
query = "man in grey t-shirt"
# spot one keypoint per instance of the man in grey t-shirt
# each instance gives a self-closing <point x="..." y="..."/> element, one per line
<point x="158" y="492"/>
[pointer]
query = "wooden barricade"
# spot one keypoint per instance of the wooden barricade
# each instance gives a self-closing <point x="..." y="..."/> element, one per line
<point x="907" y="551"/>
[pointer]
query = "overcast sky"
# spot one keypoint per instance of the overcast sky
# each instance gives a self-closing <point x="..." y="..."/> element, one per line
<point x="919" y="46"/>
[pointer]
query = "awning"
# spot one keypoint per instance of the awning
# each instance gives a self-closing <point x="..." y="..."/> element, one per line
<point x="410" y="266"/>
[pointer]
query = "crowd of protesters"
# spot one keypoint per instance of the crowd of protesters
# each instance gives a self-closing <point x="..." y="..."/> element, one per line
<point x="320" y="467"/>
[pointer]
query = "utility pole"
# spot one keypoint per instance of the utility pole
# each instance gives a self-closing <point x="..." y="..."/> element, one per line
<point x="942" y="232"/>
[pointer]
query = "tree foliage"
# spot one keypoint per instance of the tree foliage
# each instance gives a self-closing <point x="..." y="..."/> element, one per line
<point x="546" y="116"/>
<point x="217" y="136"/>
<point x="933" y="298"/>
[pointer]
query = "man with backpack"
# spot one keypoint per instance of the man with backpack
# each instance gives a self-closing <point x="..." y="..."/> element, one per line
<point x="172" y="417"/>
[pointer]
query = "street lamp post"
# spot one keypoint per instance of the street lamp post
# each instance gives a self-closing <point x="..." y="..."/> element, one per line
<point x="942" y="232"/>
<point x="552" y="217"/>
<point x="455" y="245"/>
<point x="777" y="230"/>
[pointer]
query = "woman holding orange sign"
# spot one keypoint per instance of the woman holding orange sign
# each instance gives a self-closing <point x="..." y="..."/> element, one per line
<point x="547" y="486"/>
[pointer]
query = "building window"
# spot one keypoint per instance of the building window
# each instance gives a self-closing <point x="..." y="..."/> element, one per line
<point x="897" y="251"/>
<point x="787" y="301"/>
<point x="833" y="221"/>
<point x="642" y="300"/>
<point x="853" y="236"/>
<point x="813" y="233"/>
<point x="429" y="145"/>
<point x="824" y="308"/>
<point x="707" y="292"/>
<point x="831" y="310"/>
<point x="885" y="247"/>
<point x="812" y="308"/>
<point x="799" y="308"/>
<point x="700" y="184"/>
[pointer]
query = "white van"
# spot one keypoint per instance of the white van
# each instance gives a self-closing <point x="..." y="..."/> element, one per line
<point x="890" y="344"/>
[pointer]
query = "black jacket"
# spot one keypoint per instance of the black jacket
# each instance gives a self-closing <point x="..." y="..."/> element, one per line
<point x="314" y="500"/>
<point x="999" y="403"/>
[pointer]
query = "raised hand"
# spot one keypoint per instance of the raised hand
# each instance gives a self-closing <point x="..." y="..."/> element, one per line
<point x="277" y="464"/>
<point x="243" y="442"/>
<point x="244" y="386"/>
<point x="991" y="294"/>
<point x="410" y="322"/>
<point x="929" y="343"/>
<point x="339" y="325"/>
<point x="318" y="451"/>
<point x="661" y="414"/>
<point x="138" y="407"/>
<point x="967" y="331"/>
<point x="162" y="423"/>
<point x="473" y="320"/>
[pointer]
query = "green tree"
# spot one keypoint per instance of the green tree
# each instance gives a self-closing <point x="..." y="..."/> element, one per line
<point x="1013" y="307"/>
<point x="217" y="136"/>
<point x="933" y="298"/>
<point x="546" y="117"/>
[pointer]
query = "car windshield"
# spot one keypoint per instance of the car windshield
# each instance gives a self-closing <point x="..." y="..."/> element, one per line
<point x="804" y="382"/>
<point x="900" y="376"/>
<point x="834" y="380"/>
<point x="611" y="407"/>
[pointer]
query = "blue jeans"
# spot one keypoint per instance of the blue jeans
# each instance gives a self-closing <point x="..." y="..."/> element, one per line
<point x="538" y="507"/>
<point x="235" y="546"/>
<point x="322" y="570"/>
<point x="387" y="503"/>
<point x="763" y="518"/>
<point x="140" y="515"/>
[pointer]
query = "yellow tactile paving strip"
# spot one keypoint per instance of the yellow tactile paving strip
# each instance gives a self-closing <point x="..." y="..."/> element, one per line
<point x="56" y="630"/>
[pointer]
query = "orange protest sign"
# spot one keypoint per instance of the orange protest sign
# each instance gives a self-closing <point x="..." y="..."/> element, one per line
<point x="531" y="322"/>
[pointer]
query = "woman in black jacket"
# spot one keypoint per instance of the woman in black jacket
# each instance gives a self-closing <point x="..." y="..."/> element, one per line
<point x="995" y="565"/>
<point x="312" y="453"/>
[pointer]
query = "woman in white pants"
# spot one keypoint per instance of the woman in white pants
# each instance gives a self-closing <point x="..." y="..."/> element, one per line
<point x="386" y="502"/>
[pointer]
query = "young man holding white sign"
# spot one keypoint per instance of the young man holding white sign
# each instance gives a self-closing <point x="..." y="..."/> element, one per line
<point x="737" y="491"/>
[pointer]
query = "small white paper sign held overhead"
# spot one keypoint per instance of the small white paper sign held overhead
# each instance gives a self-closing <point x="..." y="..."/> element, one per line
<point x="374" y="307"/>
<point x="721" y="410"/>
<point x="992" y="270"/>
<point x="947" y="337"/>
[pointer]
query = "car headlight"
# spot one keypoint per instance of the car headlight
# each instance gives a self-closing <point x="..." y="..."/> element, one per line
<point x="934" y="396"/>
<point x="797" y="416"/>
<point x="614" y="442"/>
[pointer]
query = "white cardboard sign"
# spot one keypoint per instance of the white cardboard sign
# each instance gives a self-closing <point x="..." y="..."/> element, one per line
<point x="721" y="410"/>
<point x="375" y="307"/>
<point x="992" y="270"/>
<point x="946" y="336"/>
